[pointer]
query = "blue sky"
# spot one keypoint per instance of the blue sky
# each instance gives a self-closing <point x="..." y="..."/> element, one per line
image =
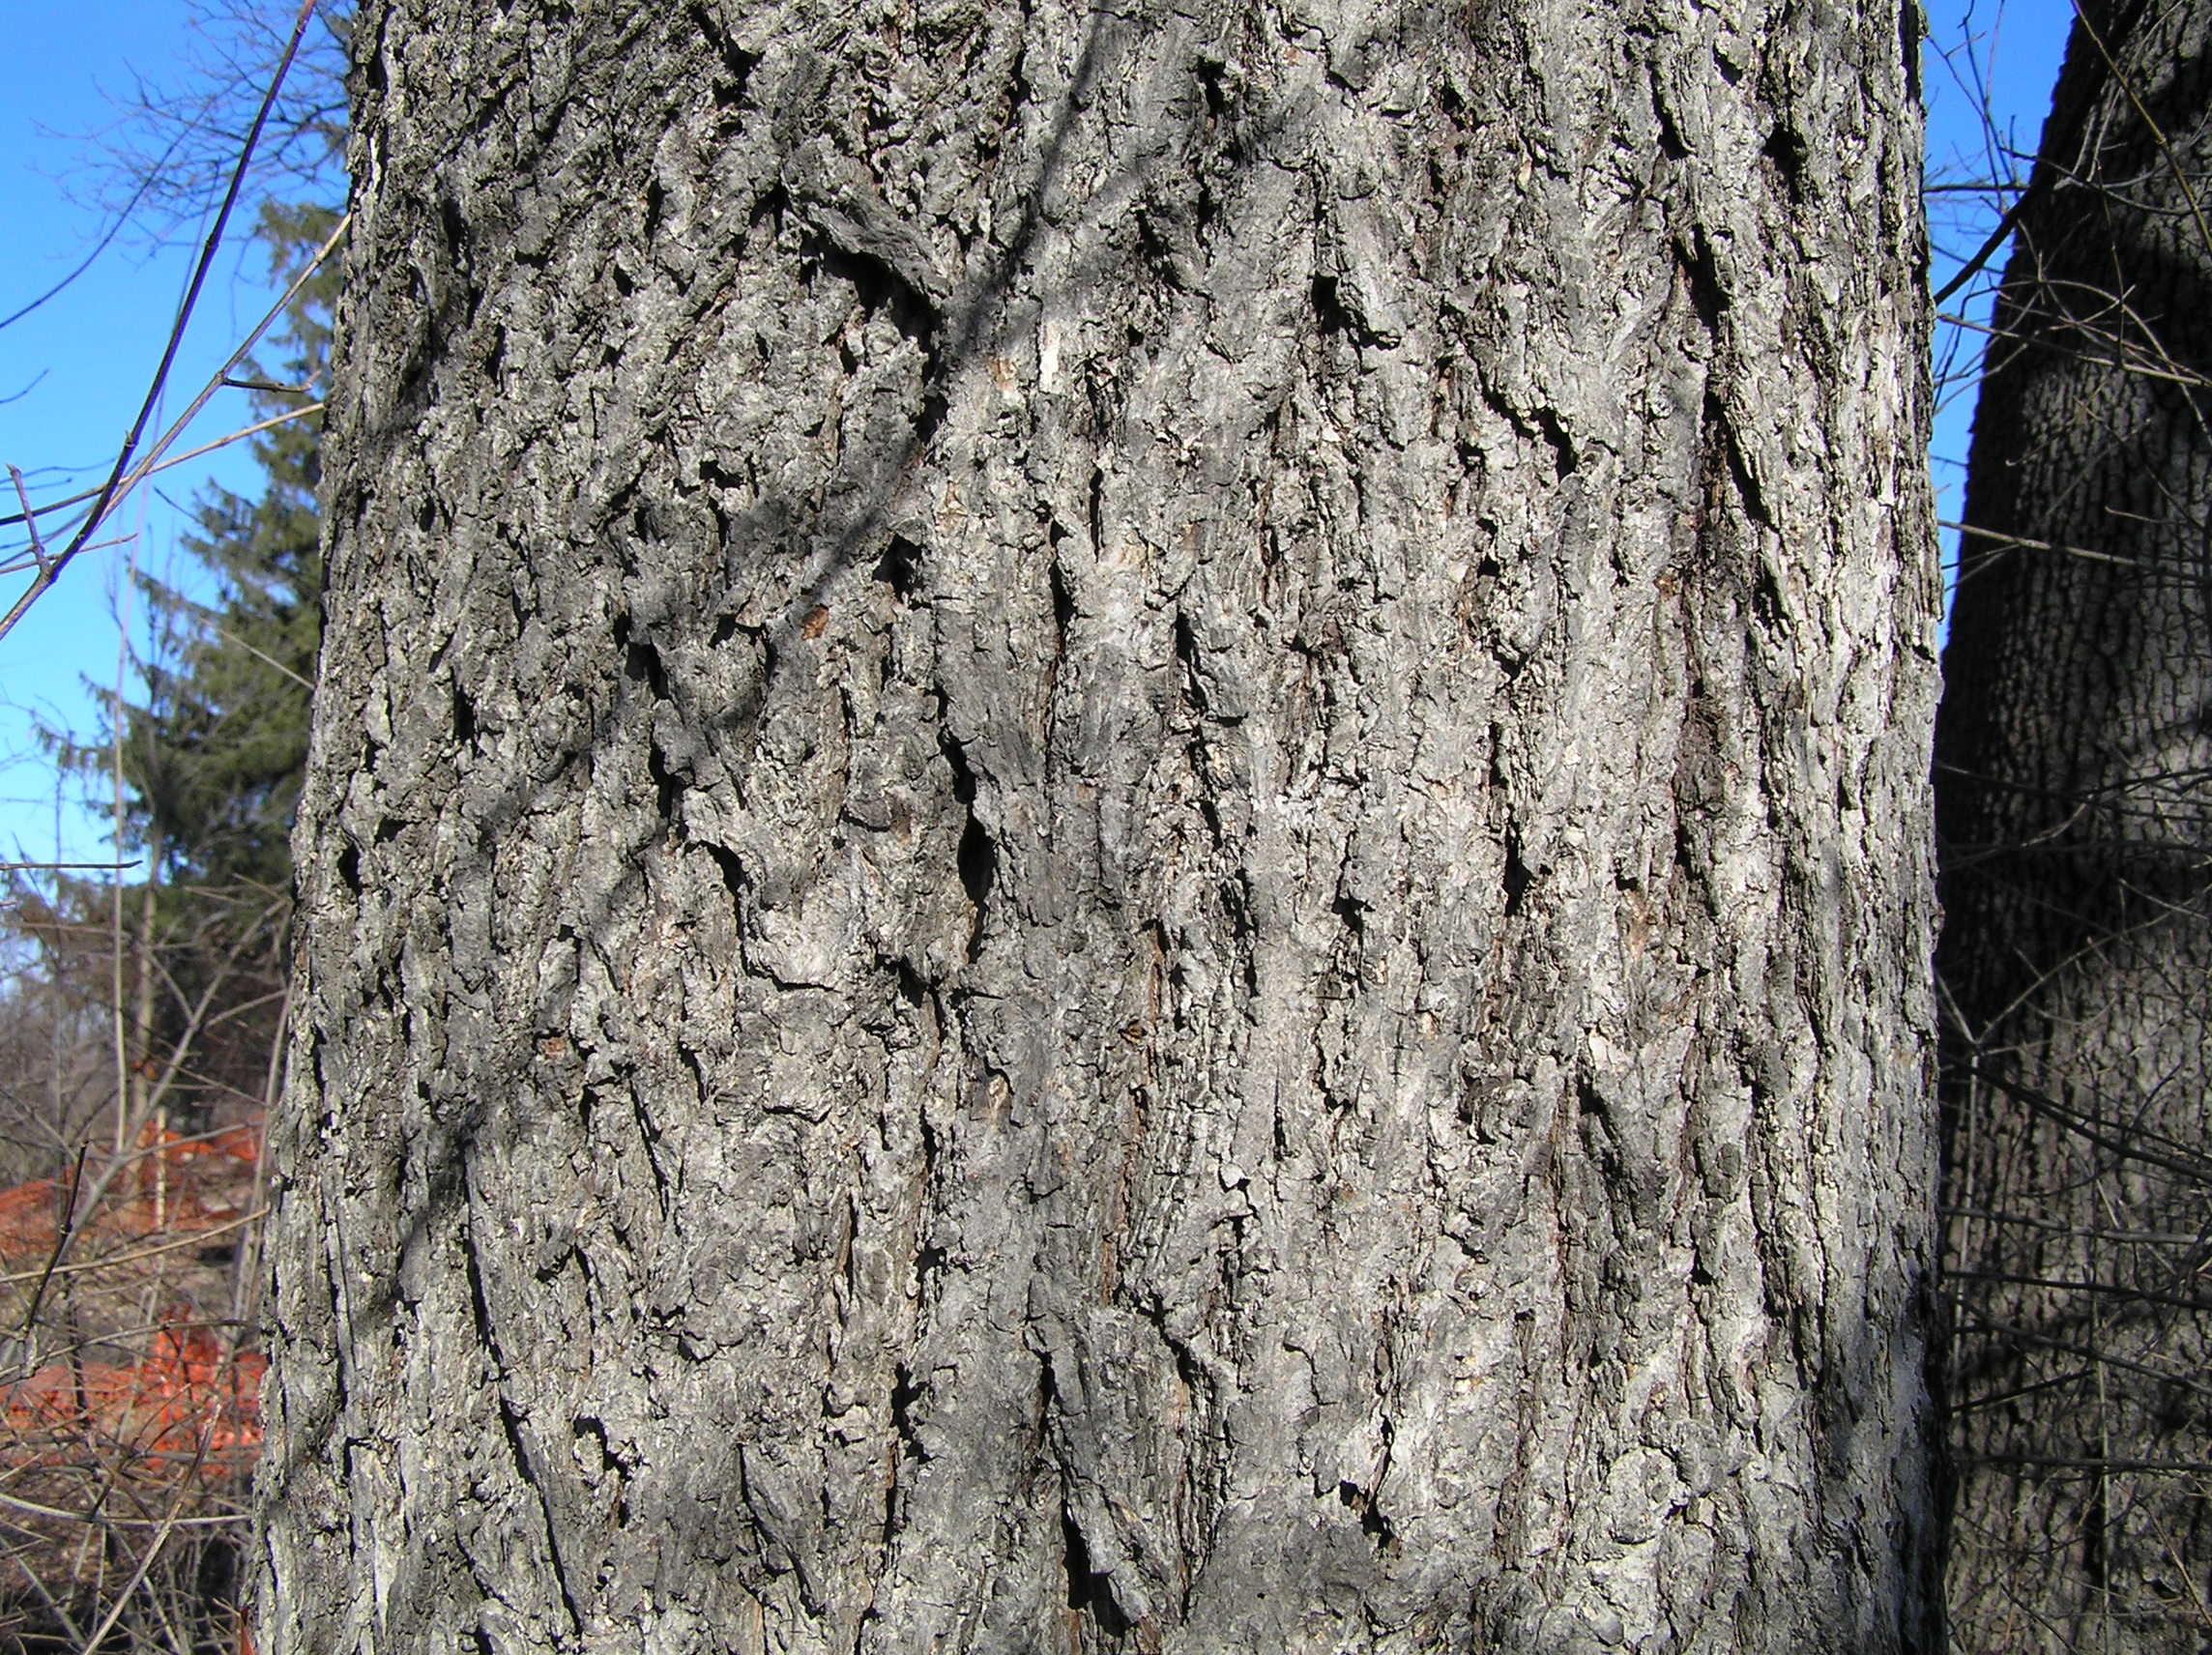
<point x="72" y="373"/>
<point x="2002" y="55"/>
<point x="75" y="371"/>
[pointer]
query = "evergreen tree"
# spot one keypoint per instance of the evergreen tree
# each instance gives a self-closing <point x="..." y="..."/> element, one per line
<point x="213" y="750"/>
<point x="214" y="754"/>
<point x="161" y="1003"/>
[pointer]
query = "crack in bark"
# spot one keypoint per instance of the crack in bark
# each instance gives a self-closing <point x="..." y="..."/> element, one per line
<point x="526" y="1470"/>
<point x="978" y="857"/>
<point x="1090" y="1592"/>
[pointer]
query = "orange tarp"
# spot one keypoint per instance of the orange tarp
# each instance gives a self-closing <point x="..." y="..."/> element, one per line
<point x="190" y="1399"/>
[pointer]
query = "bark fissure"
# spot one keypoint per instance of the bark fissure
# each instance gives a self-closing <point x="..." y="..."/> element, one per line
<point x="525" y="1460"/>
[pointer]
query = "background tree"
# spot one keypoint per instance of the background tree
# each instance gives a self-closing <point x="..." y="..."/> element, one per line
<point x="168" y="153"/>
<point x="142" y="1041"/>
<point x="211" y="759"/>
<point x="221" y="762"/>
<point x="145" y="1024"/>
<point x="2072" y="759"/>
<point x="1118" y="836"/>
<point x="204" y="748"/>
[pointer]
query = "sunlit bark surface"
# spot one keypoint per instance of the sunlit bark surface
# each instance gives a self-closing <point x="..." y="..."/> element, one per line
<point x="1118" y="838"/>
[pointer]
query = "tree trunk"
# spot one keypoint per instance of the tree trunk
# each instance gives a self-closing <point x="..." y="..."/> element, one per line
<point x="1118" y="838"/>
<point x="2072" y="766"/>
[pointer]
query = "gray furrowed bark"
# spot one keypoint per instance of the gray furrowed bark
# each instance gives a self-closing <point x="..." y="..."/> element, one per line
<point x="1118" y="838"/>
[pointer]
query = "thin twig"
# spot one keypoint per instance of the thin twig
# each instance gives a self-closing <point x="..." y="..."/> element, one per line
<point x="30" y="523"/>
<point x="196" y="1239"/>
<point x="62" y="1233"/>
<point x="112" y="488"/>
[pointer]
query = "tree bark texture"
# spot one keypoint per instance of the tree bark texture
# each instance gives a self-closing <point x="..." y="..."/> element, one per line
<point x="1119" y="837"/>
<point x="2072" y="768"/>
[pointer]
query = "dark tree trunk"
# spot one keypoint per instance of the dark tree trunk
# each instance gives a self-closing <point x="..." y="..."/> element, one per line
<point x="2072" y="765"/>
<point x="1118" y="838"/>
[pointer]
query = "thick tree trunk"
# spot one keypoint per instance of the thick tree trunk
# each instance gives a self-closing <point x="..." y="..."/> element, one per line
<point x="2073" y="759"/>
<point x="1118" y="839"/>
